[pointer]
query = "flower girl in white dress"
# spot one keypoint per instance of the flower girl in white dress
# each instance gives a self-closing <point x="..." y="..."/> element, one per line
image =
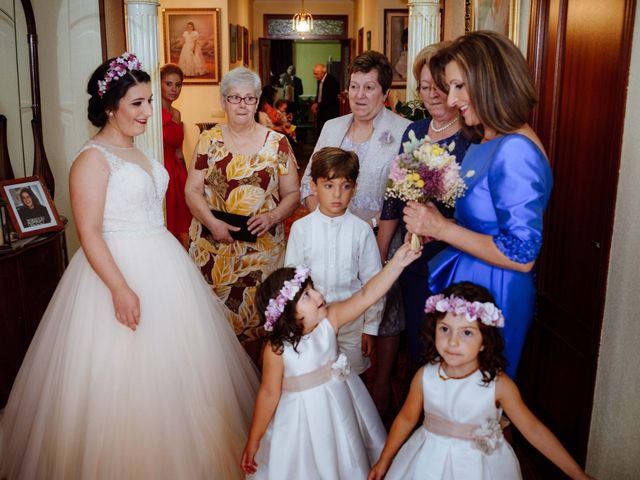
<point x="462" y="390"/>
<point x="314" y="418"/>
<point x="134" y="372"/>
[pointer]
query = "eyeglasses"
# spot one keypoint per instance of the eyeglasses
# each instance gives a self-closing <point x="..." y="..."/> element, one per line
<point x="236" y="99"/>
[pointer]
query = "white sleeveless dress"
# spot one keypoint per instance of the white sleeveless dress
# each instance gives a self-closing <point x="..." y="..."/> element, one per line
<point x="95" y="400"/>
<point x="430" y="456"/>
<point x="330" y="431"/>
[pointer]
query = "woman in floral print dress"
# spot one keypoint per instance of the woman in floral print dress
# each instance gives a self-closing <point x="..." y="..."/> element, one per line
<point x="240" y="168"/>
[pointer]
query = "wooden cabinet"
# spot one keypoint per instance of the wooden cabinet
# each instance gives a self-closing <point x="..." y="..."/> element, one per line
<point x="28" y="277"/>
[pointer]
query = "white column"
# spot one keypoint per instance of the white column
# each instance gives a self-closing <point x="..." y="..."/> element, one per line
<point x="424" y="29"/>
<point x="142" y="39"/>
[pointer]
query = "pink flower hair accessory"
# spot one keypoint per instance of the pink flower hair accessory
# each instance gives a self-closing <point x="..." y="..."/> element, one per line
<point x="486" y="312"/>
<point x="117" y="69"/>
<point x="287" y="293"/>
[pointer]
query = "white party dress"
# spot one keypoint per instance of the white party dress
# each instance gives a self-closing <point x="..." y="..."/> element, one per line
<point x="455" y="408"/>
<point x="96" y="400"/>
<point x="325" y="426"/>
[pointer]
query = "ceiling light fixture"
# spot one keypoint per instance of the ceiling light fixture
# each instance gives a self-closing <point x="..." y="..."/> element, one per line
<point x="302" y="22"/>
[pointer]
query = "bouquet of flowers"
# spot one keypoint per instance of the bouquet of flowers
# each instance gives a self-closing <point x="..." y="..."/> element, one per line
<point x="425" y="171"/>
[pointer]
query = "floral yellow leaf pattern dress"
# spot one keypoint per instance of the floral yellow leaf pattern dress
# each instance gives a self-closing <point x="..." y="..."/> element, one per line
<point x="244" y="185"/>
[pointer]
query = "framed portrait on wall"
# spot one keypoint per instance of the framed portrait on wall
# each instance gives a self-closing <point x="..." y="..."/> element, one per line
<point x="239" y="50"/>
<point x="501" y="16"/>
<point x="245" y="46"/>
<point x="192" y="41"/>
<point x="233" y="43"/>
<point x="30" y="207"/>
<point x="396" y="40"/>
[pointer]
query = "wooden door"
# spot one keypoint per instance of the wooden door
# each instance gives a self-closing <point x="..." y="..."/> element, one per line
<point x="580" y="53"/>
<point x="264" y="60"/>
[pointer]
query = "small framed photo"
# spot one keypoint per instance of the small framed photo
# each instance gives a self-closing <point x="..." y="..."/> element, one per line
<point x="192" y="41"/>
<point x="396" y="42"/>
<point x="502" y="16"/>
<point x="30" y="207"/>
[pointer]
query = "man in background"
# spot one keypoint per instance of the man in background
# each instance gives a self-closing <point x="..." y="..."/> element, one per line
<point x="327" y="105"/>
<point x="292" y="87"/>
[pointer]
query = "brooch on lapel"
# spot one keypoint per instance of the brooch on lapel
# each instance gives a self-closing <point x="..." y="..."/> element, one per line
<point x="386" y="137"/>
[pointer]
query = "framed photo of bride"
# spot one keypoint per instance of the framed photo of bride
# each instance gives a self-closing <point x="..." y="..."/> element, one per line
<point x="396" y="42"/>
<point x="192" y="41"/>
<point x="30" y="207"/>
<point x="501" y="16"/>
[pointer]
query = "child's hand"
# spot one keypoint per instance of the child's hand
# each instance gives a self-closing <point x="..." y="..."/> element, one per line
<point x="248" y="462"/>
<point x="368" y="345"/>
<point x="378" y="472"/>
<point x="405" y="255"/>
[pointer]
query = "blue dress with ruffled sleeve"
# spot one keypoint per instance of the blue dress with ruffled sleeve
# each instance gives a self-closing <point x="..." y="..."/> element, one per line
<point x="509" y="182"/>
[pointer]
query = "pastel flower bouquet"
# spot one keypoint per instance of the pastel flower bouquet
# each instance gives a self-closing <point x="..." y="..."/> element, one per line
<point x="425" y="171"/>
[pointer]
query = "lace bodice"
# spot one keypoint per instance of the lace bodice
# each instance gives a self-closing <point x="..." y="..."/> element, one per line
<point x="134" y="198"/>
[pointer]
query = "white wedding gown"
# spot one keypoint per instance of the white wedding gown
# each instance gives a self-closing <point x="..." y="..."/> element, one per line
<point x="95" y="400"/>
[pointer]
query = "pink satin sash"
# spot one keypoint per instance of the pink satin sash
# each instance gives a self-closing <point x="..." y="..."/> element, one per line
<point x="307" y="380"/>
<point x="447" y="428"/>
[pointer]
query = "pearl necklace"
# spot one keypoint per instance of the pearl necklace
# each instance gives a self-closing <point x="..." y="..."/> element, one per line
<point x="443" y="375"/>
<point x="444" y="127"/>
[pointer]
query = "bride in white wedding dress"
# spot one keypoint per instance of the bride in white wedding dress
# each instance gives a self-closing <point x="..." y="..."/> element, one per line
<point x="134" y="372"/>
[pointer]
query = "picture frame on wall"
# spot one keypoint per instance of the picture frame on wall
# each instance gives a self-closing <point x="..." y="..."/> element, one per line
<point x="396" y="42"/>
<point x="30" y="207"/>
<point x="192" y="41"/>
<point x="233" y="42"/>
<point x="368" y="39"/>
<point x="245" y="46"/>
<point x="240" y="44"/>
<point x="501" y="16"/>
<point x="360" y="45"/>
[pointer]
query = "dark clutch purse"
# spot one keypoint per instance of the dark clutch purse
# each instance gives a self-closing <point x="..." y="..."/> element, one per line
<point x="237" y="221"/>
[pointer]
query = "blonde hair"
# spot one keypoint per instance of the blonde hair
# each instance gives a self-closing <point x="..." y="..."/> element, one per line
<point x="424" y="56"/>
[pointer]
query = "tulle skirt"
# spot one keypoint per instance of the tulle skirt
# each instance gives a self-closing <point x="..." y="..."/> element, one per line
<point x="95" y="400"/>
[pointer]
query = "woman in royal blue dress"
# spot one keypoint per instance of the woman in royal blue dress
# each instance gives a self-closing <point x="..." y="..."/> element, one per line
<point x="497" y="233"/>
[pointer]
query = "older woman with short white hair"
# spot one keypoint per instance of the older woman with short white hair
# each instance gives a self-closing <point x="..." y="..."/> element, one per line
<point x="242" y="183"/>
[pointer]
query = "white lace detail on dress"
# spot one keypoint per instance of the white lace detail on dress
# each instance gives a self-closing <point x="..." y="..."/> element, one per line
<point x="134" y="198"/>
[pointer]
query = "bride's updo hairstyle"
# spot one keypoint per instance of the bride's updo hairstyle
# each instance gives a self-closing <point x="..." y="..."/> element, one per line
<point x="109" y="83"/>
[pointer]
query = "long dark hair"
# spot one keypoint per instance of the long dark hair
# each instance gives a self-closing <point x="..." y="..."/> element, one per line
<point x="287" y="329"/>
<point x="491" y="359"/>
<point x="116" y="89"/>
<point x="34" y="198"/>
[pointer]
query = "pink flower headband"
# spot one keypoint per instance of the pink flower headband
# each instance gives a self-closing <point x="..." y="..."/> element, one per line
<point x="486" y="312"/>
<point x="117" y="69"/>
<point x="287" y="292"/>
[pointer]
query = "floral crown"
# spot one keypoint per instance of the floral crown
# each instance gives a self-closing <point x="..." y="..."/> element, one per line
<point x="287" y="292"/>
<point x="117" y="69"/>
<point x="486" y="312"/>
